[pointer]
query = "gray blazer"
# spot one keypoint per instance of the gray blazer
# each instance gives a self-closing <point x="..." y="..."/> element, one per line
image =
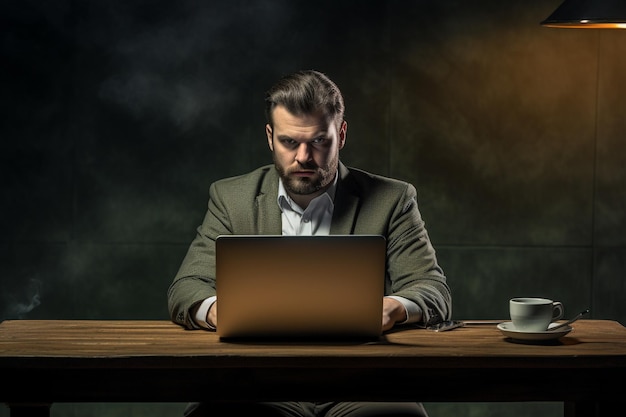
<point x="364" y="204"/>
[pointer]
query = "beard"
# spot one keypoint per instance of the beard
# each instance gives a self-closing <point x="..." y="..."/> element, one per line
<point x="323" y="177"/>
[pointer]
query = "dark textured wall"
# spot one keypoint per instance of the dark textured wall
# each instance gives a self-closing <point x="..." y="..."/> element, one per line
<point x="117" y="115"/>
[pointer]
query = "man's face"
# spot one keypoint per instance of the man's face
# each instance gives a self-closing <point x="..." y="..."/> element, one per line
<point x="305" y="151"/>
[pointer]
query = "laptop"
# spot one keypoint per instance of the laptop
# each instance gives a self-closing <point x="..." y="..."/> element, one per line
<point x="304" y="287"/>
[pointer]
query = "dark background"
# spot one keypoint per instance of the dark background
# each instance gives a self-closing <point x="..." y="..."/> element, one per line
<point x="117" y="115"/>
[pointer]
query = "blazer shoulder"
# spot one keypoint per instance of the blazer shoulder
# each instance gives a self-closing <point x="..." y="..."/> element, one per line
<point x="262" y="179"/>
<point x="371" y="182"/>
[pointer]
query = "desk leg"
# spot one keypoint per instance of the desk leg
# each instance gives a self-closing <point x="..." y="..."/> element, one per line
<point x="591" y="409"/>
<point x="29" y="410"/>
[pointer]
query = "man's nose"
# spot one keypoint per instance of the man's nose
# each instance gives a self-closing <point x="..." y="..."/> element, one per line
<point x="303" y="154"/>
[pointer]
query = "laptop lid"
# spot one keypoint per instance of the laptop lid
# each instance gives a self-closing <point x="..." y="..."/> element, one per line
<point x="272" y="286"/>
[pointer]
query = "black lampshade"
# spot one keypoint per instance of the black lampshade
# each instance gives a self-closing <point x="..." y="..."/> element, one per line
<point x="591" y="14"/>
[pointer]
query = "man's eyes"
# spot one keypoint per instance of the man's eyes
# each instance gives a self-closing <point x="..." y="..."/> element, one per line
<point x="291" y="142"/>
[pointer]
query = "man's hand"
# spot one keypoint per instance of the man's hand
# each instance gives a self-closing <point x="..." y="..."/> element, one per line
<point x="211" y="316"/>
<point x="393" y="312"/>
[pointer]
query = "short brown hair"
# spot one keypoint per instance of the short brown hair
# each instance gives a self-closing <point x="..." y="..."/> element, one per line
<point x="305" y="92"/>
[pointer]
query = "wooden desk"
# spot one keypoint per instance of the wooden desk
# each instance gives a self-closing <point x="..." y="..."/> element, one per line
<point x="51" y="361"/>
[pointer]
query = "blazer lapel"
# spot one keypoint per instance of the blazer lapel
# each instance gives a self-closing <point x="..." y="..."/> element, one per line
<point x="346" y="203"/>
<point x="268" y="220"/>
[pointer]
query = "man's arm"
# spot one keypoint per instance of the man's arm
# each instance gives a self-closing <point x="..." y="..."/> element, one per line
<point x="414" y="272"/>
<point x="195" y="279"/>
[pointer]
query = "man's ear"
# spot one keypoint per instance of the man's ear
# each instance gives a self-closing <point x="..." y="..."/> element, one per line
<point x="343" y="133"/>
<point x="268" y="133"/>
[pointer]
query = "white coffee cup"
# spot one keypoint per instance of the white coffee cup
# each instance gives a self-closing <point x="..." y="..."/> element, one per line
<point x="531" y="314"/>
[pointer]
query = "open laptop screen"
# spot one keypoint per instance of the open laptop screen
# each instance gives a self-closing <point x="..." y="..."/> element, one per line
<point x="300" y="286"/>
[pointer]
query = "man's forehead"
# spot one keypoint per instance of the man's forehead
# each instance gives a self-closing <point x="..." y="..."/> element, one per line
<point x="316" y="123"/>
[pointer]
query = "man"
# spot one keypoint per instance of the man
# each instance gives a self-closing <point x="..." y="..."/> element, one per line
<point x="309" y="191"/>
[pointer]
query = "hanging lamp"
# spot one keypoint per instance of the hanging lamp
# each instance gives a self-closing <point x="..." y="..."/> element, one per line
<point x="588" y="14"/>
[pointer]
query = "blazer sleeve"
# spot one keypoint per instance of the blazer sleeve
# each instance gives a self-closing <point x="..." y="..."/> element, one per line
<point x="195" y="279"/>
<point x="413" y="271"/>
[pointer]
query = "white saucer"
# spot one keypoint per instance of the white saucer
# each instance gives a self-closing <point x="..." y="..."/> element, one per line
<point x="508" y="329"/>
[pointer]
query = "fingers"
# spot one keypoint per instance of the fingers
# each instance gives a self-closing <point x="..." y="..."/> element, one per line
<point x="393" y="312"/>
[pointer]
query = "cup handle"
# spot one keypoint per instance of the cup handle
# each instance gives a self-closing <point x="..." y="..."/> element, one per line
<point x="557" y="311"/>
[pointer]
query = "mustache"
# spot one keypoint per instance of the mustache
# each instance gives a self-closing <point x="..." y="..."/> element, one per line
<point x="306" y="165"/>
